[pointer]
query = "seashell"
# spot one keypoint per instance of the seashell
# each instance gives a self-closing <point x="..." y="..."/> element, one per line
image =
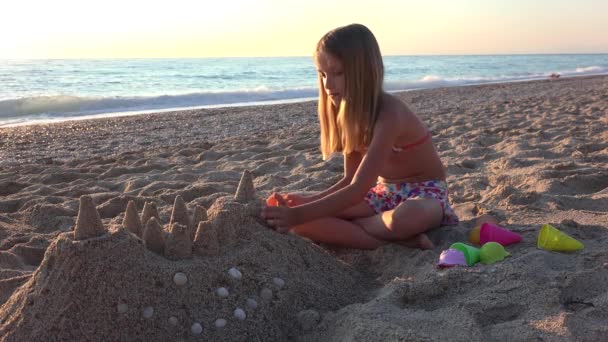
<point x="240" y="314"/>
<point x="173" y="320"/>
<point x="122" y="308"/>
<point x="266" y="294"/>
<point x="222" y="292"/>
<point x="252" y="303"/>
<point x="148" y="312"/>
<point x="220" y="322"/>
<point x="234" y="273"/>
<point x="278" y="282"/>
<point x="180" y="279"/>
<point x="196" y="328"/>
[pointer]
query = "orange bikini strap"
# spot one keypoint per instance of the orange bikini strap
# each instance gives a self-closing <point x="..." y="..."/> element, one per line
<point x="416" y="143"/>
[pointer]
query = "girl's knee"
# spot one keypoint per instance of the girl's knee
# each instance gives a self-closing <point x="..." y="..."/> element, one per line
<point x="414" y="219"/>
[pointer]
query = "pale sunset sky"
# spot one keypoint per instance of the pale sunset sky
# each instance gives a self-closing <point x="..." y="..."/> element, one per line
<point x="199" y="28"/>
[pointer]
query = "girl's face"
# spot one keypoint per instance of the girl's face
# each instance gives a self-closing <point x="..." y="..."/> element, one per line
<point x="332" y="73"/>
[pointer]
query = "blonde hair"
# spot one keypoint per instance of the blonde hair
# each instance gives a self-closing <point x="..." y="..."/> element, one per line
<point x="350" y="127"/>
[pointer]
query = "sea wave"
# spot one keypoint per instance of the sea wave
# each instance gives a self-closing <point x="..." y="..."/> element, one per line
<point x="66" y="105"/>
<point x="62" y="107"/>
<point x="435" y="81"/>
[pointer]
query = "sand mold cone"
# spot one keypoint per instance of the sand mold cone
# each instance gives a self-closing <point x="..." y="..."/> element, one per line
<point x="493" y="233"/>
<point x="471" y="253"/>
<point x="552" y="239"/>
<point x="492" y="252"/>
<point x="452" y="257"/>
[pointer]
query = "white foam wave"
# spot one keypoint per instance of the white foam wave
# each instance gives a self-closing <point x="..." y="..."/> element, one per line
<point x="62" y="107"/>
<point x="76" y="105"/>
<point x="434" y="81"/>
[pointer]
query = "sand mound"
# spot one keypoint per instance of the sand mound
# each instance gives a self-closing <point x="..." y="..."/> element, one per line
<point x="527" y="153"/>
<point x="98" y="283"/>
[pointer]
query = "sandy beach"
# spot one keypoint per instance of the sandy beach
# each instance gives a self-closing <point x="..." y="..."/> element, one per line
<point x="527" y="153"/>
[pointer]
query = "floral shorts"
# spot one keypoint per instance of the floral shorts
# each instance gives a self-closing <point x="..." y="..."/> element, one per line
<point x="386" y="196"/>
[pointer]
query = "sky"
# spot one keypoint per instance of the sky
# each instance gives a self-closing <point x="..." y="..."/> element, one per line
<point x="203" y="28"/>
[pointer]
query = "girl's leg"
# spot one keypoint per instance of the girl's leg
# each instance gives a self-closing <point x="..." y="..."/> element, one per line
<point x="406" y="221"/>
<point x="339" y="232"/>
<point x="356" y="227"/>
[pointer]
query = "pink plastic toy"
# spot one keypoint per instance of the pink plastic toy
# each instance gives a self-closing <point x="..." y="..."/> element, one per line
<point x="492" y="233"/>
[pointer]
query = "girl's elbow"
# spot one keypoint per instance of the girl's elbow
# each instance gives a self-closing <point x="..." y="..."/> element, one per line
<point x="359" y="190"/>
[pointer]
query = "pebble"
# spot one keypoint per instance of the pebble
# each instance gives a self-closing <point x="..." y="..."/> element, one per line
<point x="122" y="308"/>
<point x="222" y="292"/>
<point x="173" y="320"/>
<point x="180" y="279"/>
<point x="148" y="312"/>
<point x="234" y="273"/>
<point x="240" y="314"/>
<point x="220" y="322"/>
<point x="196" y="328"/>
<point x="252" y="303"/>
<point x="278" y="282"/>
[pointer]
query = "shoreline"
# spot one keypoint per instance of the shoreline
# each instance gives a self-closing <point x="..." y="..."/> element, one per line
<point x="110" y="135"/>
<point x="118" y="114"/>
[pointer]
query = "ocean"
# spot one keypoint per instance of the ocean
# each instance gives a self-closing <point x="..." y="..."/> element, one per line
<point x="33" y="91"/>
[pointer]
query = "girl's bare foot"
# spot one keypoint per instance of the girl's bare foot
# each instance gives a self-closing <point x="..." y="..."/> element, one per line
<point x="419" y="241"/>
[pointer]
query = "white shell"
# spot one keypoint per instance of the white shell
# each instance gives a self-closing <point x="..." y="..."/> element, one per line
<point x="122" y="308"/>
<point x="234" y="273"/>
<point x="196" y="328"/>
<point x="222" y="292"/>
<point x="278" y="282"/>
<point x="148" y="311"/>
<point x="180" y="279"/>
<point x="220" y="322"/>
<point x="173" y="320"/>
<point x="252" y="303"/>
<point x="266" y="294"/>
<point x="240" y="314"/>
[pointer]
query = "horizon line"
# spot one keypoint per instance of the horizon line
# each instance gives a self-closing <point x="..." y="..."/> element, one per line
<point x="310" y="56"/>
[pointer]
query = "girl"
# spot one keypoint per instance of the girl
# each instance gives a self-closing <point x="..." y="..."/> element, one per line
<point x="394" y="185"/>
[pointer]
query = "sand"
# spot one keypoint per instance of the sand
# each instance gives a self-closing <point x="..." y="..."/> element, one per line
<point x="527" y="153"/>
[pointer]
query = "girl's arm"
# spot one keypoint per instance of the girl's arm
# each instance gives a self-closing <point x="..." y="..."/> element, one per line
<point x="379" y="150"/>
<point x="351" y="163"/>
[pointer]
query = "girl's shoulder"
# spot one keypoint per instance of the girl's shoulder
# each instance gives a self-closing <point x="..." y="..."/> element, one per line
<point x="393" y="108"/>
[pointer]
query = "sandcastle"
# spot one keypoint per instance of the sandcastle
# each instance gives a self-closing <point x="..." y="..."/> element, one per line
<point x="205" y="274"/>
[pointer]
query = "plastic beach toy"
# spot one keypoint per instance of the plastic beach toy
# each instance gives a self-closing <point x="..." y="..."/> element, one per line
<point x="273" y="202"/>
<point x="492" y="252"/>
<point x="552" y="239"/>
<point x="452" y="257"/>
<point x="474" y="235"/>
<point x="492" y="233"/>
<point x="471" y="254"/>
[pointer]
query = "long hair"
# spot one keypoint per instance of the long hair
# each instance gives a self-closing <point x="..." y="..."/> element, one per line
<point x="349" y="126"/>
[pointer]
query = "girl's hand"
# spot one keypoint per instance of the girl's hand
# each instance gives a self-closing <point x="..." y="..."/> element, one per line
<point x="292" y="200"/>
<point x="296" y="199"/>
<point x="280" y="217"/>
